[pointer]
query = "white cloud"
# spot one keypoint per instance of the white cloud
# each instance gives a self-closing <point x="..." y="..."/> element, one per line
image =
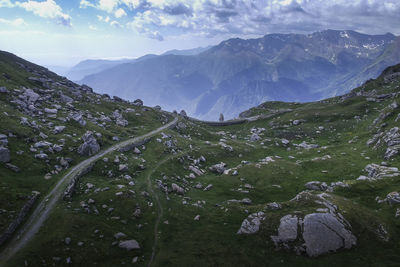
<point x="115" y="24"/>
<point x="119" y="13"/>
<point x="92" y="27"/>
<point x="85" y="3"/>
<point x="6" y="3"/>
<point x="46" y="9"/>
<point x="132" y="4"/>
<point x="16" y="22"/>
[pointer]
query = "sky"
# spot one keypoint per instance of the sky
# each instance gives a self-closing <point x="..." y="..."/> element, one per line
<point x="64" y="32"/>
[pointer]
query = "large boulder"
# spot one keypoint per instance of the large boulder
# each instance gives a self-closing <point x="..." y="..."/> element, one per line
<point x="89" y="146"/>
<point x="315" y="233"/>
<point x="4" y="154"/>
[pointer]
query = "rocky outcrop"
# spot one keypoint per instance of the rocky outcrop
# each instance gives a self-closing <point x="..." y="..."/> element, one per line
<point x="389" y="139"/>
<point x="315" y="233"/>
<point x="89" y="146"/>
<point x="376" y="172"/>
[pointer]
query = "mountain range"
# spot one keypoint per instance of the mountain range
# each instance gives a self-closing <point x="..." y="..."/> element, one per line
<point x="237" y="74"/>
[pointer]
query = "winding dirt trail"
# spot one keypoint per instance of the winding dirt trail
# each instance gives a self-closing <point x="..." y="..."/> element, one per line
<point x="42" y="211"/>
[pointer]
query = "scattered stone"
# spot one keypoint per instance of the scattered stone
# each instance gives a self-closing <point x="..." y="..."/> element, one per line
<point x="218" y="168"/>
<point x="177" y="189"/>
<point x="393" y="198"/>
<point x="120" y="235"/>
<point x="197" y="218"/>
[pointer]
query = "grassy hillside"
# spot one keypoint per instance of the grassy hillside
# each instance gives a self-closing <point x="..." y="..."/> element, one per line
<point x="161" y="197"/>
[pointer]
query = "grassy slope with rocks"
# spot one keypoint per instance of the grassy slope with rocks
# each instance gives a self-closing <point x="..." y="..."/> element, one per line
<point x="270" y="166"/>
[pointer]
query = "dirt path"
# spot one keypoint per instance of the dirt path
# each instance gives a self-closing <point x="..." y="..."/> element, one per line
<point x="158" y="203"/>
<point x="42" y="211"/>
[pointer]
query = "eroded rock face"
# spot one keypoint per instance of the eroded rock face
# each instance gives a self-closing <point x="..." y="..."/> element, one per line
<point x="251" y="224"/>
<point x="89" y="146"/>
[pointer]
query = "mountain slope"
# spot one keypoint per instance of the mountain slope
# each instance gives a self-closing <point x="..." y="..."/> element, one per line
<point x="238" y="74"/>
<point x="296" y="184"/>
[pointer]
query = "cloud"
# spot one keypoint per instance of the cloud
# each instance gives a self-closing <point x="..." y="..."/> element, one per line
<point x="16" y="22"/>
<point x="6" y="3"/>
<point x="46" y="9"/>
<point x="258" y="17"/>
<point x="119" y="13"/>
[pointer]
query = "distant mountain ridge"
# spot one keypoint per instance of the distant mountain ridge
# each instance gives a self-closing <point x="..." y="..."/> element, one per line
<point x="238" y="74"/>
<point x="93" y="66"/>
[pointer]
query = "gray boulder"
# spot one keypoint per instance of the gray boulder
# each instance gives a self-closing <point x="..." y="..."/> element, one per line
<point x="3" y="140"/>
<point x="58" y="129"/>
<point x="177" y="189"/>
<point x="251" y="224"/>
<point x="316" y="185"/>
<point x="3" y="90"/>
<point x="218" y="168"/>
<point x="324" y="232"/>
<point x="129" y="244"/>
<point x="393" y="198"/>
<point x="4" y="154"/>
<point x="89" y="146"/>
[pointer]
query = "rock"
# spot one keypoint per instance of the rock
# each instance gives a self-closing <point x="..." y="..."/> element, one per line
<point x="120" y="235"/>
<point x="136" y="150"/>
<point x="123" y="168"/>
<point x="78" y="117"/>
<point x="393" y="198"/>
<point x="89" y="146"/>
<point x="67" y="240"/>
<point x="30" y="96"/>
<point x="306" y="146"/>
<point x="65" y="98"/>
<point x="316" y="185"/>
<point x="273" y="206"/>
<point x="3" y="90"/>
<point x="12" y="167"/>
<point x="197" y="218"/>
<point x="376" y="171"/>
<point x="41" y="156"/>
<point x="158" y="108"/>
<point x="254" y="137"/>
<point x="321" y="232"/>
<point x="285" y="141"/>
<point x="51" y="110"/>
<point x="287" y="230"/>
<point x="208" y="187"/>
<point x="177" y="189"/>
<point x="251" y="224"/>
<point x="195" y="170"/>
<point x="218" y="168"/>
<point x="3" y="140"/>
<point x="246" y="201"/>
<point x="129" y="244"/>
<point x="138" y="103"/>
<point x="324" y="232"/>
<point x="58" y="129"/>
<point x="4" y="154"/>
<point x="183" y="113"/>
